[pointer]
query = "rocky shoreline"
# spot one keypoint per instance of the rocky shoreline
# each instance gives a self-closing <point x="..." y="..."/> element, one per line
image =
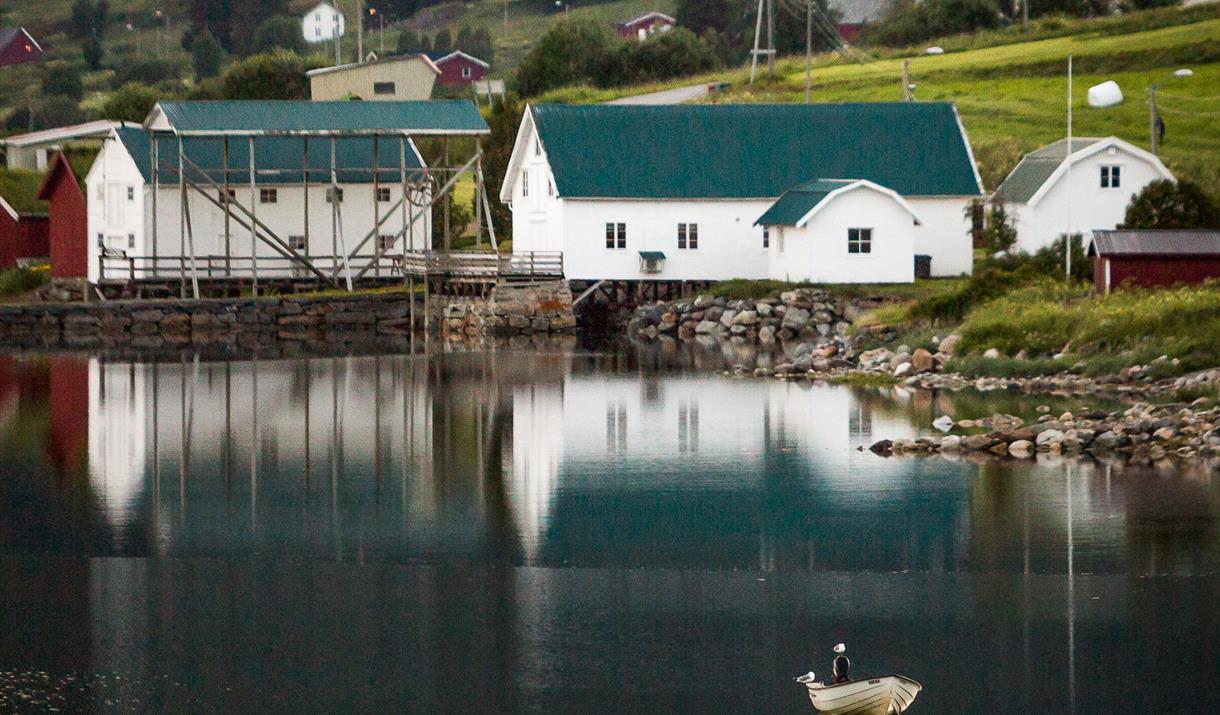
<point x="1142" y="432"/>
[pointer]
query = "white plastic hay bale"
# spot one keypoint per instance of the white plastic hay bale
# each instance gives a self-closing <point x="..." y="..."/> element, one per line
<point x="934" y="50"/>
<point x="1106" y="94"/>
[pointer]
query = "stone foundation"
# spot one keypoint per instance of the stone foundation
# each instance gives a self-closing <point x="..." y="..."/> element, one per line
<point x="511" y="309"/>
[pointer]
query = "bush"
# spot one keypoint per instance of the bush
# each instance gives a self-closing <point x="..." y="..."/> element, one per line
<point x="206" y="55"/>
<point x="279" y="33"/>
<point x="15" y="281"/>
<point x="130" y="103"/>
<point x="1166" y="204"/>
<point x="907" y="23"/>
<point x="62" y="79"/>
<point x="148" y="70"/>
<point x="568" y="53"/>
<point x="278" y="75"/>
<point x="676" y="53"/>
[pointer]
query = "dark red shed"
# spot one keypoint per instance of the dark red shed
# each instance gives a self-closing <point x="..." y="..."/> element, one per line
<point x="1154" y="258"/>
<point x="23" y="235"/>
<point x="18" y="46"/>
<point x="457" y="67"/>
<point x="69" y="219"/>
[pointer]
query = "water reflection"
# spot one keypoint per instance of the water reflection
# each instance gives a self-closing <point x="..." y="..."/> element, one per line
<point x="557" y="521"/>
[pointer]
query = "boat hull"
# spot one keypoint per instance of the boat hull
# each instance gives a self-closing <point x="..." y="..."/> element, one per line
<point x="889" y="694"/>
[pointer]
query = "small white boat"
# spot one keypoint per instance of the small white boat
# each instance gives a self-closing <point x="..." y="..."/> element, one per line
<point x="885" y="695"/>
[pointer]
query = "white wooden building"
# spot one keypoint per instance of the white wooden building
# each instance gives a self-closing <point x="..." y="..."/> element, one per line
<point x="673" y="193"/>
<point x="1054" y="191"/>
<point x="323" y="23"/>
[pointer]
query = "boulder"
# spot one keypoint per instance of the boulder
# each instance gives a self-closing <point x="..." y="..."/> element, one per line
<point x="1021" y="448"/>
<point x="951" y="443"/>
<point x="902" y="369"/>
<point x="978" y="441"/>
<point x="1048" y="437"/>
<point x="991" y="353"/>
<point x="726" y="318"/>
<point x="944" y="423"/>
<point x="766" y="335"/>
<point x="746" y="317"/>
<point x="921" y="361"/>
<point x="795" y="319"/>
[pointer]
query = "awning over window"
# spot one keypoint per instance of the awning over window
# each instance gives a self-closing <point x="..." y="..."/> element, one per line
<point x="652" y="255"/>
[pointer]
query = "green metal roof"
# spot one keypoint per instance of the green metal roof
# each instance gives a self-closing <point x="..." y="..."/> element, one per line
<point x="277" y="159"/>
<point x="752" y="150"/>
<point x="456" y="116"/>
<point x="798" y="201"/>
<point x="652" y="255"/>
<point x="1036" y="167"/>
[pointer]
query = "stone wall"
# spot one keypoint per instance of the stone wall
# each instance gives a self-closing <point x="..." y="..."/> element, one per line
<point x="243" y="321"/>
<point x="511" y="309"/>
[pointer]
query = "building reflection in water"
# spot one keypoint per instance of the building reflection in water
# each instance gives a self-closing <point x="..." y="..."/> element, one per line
<point x="652" y="496"/>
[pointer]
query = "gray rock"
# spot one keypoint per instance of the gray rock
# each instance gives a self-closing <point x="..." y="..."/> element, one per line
<point x="902" y="369"/>
<point x="746" y="317"/>
<point x="991" y="353"/>
<point x="726" y="318"/>
<point x="944" y="423"/>
<point x="1021" y="448"/>
<point x="707" y="327"/>
<point x="951" y="443"/>
<point x="795" y="318"/>
<point x="1048" y="437"/>
<point x="766" y="335"/>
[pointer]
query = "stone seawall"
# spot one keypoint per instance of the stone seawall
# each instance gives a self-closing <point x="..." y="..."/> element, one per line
<point x="247" y="322"/>
<point x="512" y="309"/>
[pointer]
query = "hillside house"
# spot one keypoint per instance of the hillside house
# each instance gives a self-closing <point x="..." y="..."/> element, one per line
<point x="685" y="192"/>
<point x="645" y="26"/>
<point x="1055" y="191"/>
<point x="394" y="79"/>
<point x="1149" y="258"/>
<point x="458" y="68"/>
<point x="323" y="23"/>
<point x="18" y="46"/>
<point x="855" y="14"/>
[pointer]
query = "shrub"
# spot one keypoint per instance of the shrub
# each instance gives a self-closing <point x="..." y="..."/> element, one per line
<point x="148" y="70"/>
<point x="15" y="281"/>
<point x="567" y="53"/>
<point x="907" y="23"/>
<point x="130" y="103"/>
<point x="278" y="75"/>
<point x="279" y="33"/>
<point x="206" y="55"/>
<point x="1168" y="204"/>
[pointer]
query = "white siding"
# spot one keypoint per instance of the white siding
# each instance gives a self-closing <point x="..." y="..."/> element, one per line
<point x="1077" y="200"/>
<point x="817" y="252"/>
<point x="944" y="234"/>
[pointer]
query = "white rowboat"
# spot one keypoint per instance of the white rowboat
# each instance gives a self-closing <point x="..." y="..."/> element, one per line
<point x="886" y="695"/>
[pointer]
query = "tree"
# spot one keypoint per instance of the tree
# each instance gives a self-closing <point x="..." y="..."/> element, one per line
<point x="568" y="53"/>
<point x="56" y="110"/>
<point x="88" y="18"/>
<point x="699" y="16"/>
<point x="63" y="79"/>
<point x="277" y="75"/>
<point x="131" y="103"/>
<point x="504" y="119"/>
<point x="999" y="229"/>
<point x="443" y="42"/>
<point x="280" y="32"/>
<point x="908" y="22"/>
<point x="206" y="55"/>
<point x="91" y="49"/>
<point x="1166" y="204"/>
<point x="410" y="41"/>
<point x="676" y="53"/>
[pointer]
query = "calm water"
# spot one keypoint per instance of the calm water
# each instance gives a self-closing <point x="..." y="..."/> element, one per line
<point x="564" y="531"/>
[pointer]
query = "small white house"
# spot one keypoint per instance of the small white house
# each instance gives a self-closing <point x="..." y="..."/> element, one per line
<point x="841" y="231"/>
<point x="635" y="192"/>
<point x="323" y="23"/>
<point x="120" y="204"/>
<point x="1054" y="191"/>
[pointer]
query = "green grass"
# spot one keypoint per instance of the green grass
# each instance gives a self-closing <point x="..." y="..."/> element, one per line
<point x="15" y="281"/>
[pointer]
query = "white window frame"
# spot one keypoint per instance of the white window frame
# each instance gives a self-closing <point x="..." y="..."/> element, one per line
<point x="383" y="194"/>
<point x="616" y="236"/>
<point x="297" y="243"/>
<point x="766" y="238"/>
<point x="467" y="73"/>
<point x="525" y="183"/>
<point x="268" y="196"/>
<point x="1111" y="176"/>
<point x="863" y="241"/>
<point x="688" y="237"/>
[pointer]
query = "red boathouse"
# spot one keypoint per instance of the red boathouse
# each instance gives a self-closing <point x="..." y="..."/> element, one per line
<point x="69" y="219"/>
<point x="1154" y="258"/>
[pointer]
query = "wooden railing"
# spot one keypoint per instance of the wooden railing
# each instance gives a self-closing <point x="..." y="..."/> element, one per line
<point x="457" y="266"/>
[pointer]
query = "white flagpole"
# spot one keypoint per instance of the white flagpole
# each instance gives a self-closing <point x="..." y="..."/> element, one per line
<point x="1067" y="242"/>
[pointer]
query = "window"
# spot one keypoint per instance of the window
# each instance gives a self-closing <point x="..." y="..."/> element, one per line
<point x="383" y="195"/>
<point x="101" y="241"/>
<point x="220" y="195"/>
<point x="131" y="241"/>
<point x="385" y="242"/>
<point x="296" y="243"/>
<point x="334" y="194"/>
<point x="1111" y="177"/>
<point x="537" y="146"/>
<point x="268" y="196"/>
<point x="616" y="235"/>
<point x="317" y="32"/>
<point x="859" y="240"/>
<point x="525" y="183"/>
<point x="766" y="237"/>
<point x="131" y="193"/>
<point x="550" y="187"/>
<point x="688" y="236"/>
<point x="383" y="88"/>
<point x="465" y="73"/>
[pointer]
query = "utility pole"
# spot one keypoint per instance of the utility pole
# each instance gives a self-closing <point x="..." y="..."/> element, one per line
<point x="359" y="31"/>
<point x="1024" y="13"/>
<point x="808" y="50"/>
<point x="1152" y="134"/>
<point x="505" y="20"/>
<point x="906" y="81"/>
<point x="771" y="38"/>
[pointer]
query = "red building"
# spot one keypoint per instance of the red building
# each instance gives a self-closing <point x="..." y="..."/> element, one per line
<point x="23" y="236"/>
<point x="1154" y="258"/>
<point x="645" y="26"/>
<point x="17" y="46"/>
<point x="69" y="219"/>
<point x="457" y="67"/>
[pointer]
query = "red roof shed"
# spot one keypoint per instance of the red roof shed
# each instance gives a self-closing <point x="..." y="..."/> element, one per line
<point x="69" y="220"/>
<point x="23" y="235"/>
<point x="1154" y="258"/>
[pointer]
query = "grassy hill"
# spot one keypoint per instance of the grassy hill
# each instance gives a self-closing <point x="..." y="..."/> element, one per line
<point x="1012" y="95"/>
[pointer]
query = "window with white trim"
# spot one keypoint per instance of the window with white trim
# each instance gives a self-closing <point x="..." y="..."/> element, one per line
<point x="466" y="73"/>
<point x="616" y="236"/>
<point x="268" y="196"/>
<point x="766" y="236"/>
<point x="296" y="243"/>
<point x="131" y="193"/>
<point x="383" y="195"/>
<point x="525" y="183"/>
<point x="688" y="236"/>
<point x="1111" y="176"/>
<point x="131" y="241"/>
<point x="859" y="240"/>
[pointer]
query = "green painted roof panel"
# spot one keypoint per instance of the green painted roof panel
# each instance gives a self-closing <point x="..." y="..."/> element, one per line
<point x="752" y="150"/>
<point x="299" y="116"/>
<point x="1036" y="167"/>
<point x="277" y="159"/>
<point x="798" y="201"/>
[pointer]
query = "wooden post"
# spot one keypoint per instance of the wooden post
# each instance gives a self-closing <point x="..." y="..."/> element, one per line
<point x="376" y="207"/>
<point x="906" y="81"/>
<point x="447" y="198"/>
<point x="253" y="218"/>
<point x="478" y="199"/>
<point x="305" y="188"/>
<point x="186" y="215"/>
<point x="156" y="173"/>
<point x="228" y="217"/>
<point x="181" y="223"/>
<point x="407" y="229"/>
